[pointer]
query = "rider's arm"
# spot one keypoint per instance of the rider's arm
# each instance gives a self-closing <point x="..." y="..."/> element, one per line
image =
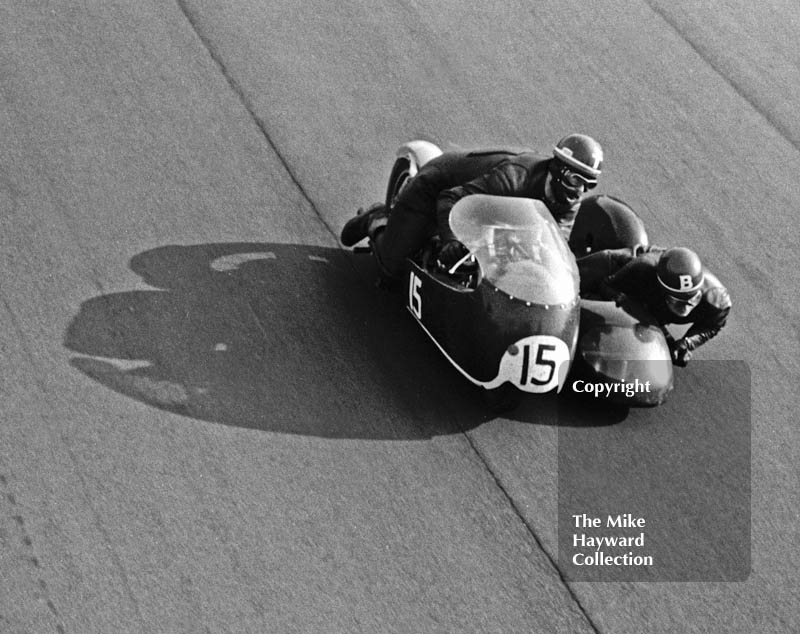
<point x="507" y="179"/>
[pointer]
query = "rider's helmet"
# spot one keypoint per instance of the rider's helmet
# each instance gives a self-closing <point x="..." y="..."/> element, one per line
<point x="680" y="274"/>
<point x="576" y="168"/>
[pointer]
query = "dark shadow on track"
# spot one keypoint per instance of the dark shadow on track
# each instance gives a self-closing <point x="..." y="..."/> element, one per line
<point x="286" y="338"/>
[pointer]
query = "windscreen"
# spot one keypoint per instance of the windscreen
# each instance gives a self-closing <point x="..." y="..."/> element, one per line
<point x="519" y="247"/>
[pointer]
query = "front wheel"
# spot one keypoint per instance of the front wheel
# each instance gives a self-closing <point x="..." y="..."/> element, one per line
<point x="399" y="177"/>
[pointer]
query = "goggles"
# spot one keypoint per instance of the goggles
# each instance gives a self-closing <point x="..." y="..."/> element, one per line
<point x="577" y="180"/>
<point x="683" y="305"/>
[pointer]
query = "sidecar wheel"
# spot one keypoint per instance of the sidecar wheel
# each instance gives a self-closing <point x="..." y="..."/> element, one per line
<point x="397" y="180"/>
<point x="502" y="399"/>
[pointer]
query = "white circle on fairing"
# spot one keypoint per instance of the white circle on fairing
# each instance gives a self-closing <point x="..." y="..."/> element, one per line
<point x="534" y="364"/>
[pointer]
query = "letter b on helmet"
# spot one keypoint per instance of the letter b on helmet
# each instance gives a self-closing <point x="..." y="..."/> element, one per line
<point x="680" y="271"/>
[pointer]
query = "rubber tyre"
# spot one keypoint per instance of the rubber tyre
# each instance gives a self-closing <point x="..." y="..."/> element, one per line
<point x="397" y="180"/>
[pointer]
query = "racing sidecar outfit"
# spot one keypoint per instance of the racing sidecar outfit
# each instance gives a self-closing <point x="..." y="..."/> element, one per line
<point x="422" y="208"/>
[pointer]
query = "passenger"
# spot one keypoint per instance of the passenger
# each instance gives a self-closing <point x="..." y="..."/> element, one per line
<point x="671" y="283"/>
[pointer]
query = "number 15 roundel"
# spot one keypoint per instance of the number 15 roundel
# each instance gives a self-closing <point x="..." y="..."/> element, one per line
<point x="535" y="364"/>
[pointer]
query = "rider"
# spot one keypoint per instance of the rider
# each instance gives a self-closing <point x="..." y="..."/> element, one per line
<point x="671" y="283"/>
<point x="422" y="208"/>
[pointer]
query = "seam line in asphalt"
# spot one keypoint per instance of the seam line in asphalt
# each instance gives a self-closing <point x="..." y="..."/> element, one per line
<point x="518" y="511"/>
<point x="183" y="5"/>
<point x="703" y="54"/>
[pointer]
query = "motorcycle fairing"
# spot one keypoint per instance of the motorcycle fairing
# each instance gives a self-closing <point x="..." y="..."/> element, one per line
<point x="519" y="324"/>
<point x="492" y="338"/>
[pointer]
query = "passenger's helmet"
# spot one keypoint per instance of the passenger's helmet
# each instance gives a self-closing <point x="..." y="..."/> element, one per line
<point x="577" y="165"/>
<point x="680" y="272"/>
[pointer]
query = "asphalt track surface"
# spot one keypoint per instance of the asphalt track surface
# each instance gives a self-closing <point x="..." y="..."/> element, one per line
<point x="213" y="422"/>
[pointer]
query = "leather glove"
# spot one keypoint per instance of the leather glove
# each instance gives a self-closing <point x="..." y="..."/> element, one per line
<point x="450" y="253"/>
<point x="681" y="353"/>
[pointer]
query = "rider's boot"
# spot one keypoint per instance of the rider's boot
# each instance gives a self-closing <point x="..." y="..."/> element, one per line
<point x="364" y="224"/>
